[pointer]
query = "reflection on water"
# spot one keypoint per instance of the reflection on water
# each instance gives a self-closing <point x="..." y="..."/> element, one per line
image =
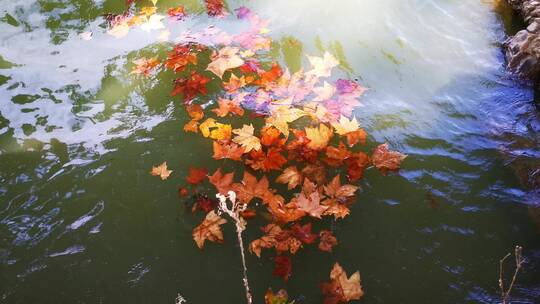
<point x="80" y="219"/>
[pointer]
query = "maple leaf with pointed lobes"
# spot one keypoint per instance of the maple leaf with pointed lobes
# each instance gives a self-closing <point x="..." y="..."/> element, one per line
<point x="312" y="205"/>
<point x="280" y="118"/>
<point x="272" y="160"/>
<point x="227" y="106"/>
<point x="303" y="233"/>
<point x="267" y="241"/>
<point x="161" y="171"/>
<point x="192" y="126"/>
<point x="315" y="172"/>
<point x="251" y="188"/>
<point x="341" y="289"/>
<point x="215" y="130"/>
<point x="340" y="192"/>
<point x="322" y="66"/>
<point x="224" y="150"/>
<point x="283" y="267"/>
<point x="336" y="209"/>
<point x="196" y="176"/>
<point x="356" y="165"/>
<point x="336" y="156"/>
<point x="195" y="111"/>
<point x="290" y="176"/>
<point x="203" y="203"/>
<point x="209" y="230"/>
<point x="190" y="87"/>
<point x="386" y="160"/>
<point x="327" y="240"/>
<point x="270" y="136"/>
<point x="266" y="78"/>
<point x="236" y="83"/>
<point x="319" y="137"/>
<point x="145" y="66"/>
<point x="246" y="139"/>
<point x="227" y="58"/>
<point x="221" y="181"/>
<point x="182" y="55"/>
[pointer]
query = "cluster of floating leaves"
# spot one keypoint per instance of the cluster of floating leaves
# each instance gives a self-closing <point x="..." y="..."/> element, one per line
<point x="302" y="127"/>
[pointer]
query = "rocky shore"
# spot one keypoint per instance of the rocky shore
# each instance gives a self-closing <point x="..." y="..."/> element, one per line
<point x="523" y="49"/>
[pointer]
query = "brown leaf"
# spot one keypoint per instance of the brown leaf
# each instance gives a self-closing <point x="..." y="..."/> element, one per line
<point x="224" y="150"/>
<point x="312" y="205"/>
<point x="251" y="188"/>
<point x="386" y="160"/>
<point x="209" y="229"/>
<point x="290" y="176"/>
<point x="327" y="240"/>
<point x="341" y="289"/>
<point x="221" y="182"/>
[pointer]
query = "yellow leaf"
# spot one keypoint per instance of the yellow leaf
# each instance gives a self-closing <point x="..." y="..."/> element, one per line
<point x="246" y="138"/>
<point x="318" y="137"/>
<point x="281" y="117"/>
<point x="215" y="130"/>
<point x="227" y="58"/>
<point x="345" y="126"/>
<point x="161" y="171"/>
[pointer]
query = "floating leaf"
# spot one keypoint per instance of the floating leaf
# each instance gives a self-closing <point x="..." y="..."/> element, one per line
<point x="161" y="171"/>
<point x="144" y="66"/>
<point x="322" y="66"/>
<point x="311" y="205"/>
<point x="227" y="58"/>
<point x="196" y="175"/>
<point x="318" y="137"/>
<point x="290" y="176"/>
<point x="221" y="182"/>
<point x="209" y="230"/>
<point x="224" y="150"/>
<point x="246" y="139"/>
<point x="386" y="160"/>
<point x="327" y="240"/>
<point x="341" y="289"/>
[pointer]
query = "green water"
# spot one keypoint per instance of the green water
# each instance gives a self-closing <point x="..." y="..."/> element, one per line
<point x="83" y="221"/>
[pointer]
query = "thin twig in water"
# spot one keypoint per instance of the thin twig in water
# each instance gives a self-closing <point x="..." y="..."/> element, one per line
<point x="505" y="294"/>
<point x="234" y="211"/>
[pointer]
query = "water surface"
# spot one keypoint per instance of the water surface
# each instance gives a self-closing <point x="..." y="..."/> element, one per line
<point x="82" y="220"/>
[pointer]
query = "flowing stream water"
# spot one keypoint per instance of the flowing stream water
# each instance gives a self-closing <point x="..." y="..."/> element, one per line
<point x="83" y="221"/>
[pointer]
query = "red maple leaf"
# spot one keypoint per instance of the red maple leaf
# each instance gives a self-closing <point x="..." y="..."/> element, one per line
<point x="190" y="86"/>
<point x="283" y="267"/>
<point x="196" y="176"/>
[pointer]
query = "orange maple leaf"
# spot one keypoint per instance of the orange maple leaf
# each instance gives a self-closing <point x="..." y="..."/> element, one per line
<point x="227" y="106"/>
<point x="209" y="230"/>
<point x="221" y="182"/>
<point x="250" y="188"/>
<point x="228" y="150"/>
<point x="196" y="176"/>
<point x="272" y="160"/>
<point x="386" y="160"/>
<point x="161" y="171"/>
